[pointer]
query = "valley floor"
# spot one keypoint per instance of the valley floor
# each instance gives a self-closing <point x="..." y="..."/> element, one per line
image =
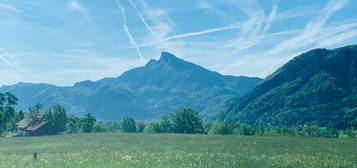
<point x="174" y="150"/>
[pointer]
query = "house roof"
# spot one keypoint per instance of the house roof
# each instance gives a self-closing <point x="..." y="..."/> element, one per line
<point x="36" y="126"/>
<point x="24" y="124"/>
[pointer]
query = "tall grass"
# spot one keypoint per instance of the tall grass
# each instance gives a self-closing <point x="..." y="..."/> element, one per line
<point x="173" y="150"/>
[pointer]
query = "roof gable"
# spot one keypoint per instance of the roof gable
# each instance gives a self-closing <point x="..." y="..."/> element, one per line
<point x="25" y="124"/>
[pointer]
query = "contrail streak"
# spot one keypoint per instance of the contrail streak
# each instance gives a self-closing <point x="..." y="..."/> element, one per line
<point x="272" y="17"/>
<point x="126" y="29"/>
<point x="4" y="59"/>
<point x="269" y="19"/>
<point x="141" y="16"/>
<point x="229" y="27"/>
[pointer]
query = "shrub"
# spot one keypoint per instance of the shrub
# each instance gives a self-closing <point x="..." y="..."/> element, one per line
<point x="221" y="128"/>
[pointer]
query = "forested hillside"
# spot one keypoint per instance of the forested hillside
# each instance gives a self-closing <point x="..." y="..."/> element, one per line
<point x="317" y="87"/>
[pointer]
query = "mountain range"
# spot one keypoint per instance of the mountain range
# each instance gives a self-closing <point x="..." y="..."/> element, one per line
<point x="145" y="93"/>
<point x="316" y="87"/>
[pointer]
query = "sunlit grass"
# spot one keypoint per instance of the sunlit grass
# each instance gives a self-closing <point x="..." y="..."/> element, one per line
<point x="170" y="150"/>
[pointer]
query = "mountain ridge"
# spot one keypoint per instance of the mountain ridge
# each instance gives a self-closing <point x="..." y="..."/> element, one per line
<point x="144" y="93"/>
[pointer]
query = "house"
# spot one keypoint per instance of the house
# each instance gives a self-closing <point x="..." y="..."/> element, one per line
<point x="37" y="128"/>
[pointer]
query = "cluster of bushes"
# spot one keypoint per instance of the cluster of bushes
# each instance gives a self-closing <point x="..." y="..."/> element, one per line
<point x="306" y="130"/>
<point x="184" y="120"/>
<point x="187" y="120"/>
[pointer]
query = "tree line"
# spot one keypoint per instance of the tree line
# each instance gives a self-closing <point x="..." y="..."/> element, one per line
<point x="182" y="120"/>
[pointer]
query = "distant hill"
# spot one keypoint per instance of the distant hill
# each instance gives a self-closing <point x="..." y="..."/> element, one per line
<point x="317" y="87"/>
<point x="144" y="93"/>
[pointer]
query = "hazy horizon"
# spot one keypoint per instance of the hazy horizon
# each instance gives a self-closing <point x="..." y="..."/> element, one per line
<point x="67" y="41"/>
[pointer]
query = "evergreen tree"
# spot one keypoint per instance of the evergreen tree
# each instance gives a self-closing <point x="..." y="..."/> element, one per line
<point x="129" y="125"/>
<point x="87" y="122"/>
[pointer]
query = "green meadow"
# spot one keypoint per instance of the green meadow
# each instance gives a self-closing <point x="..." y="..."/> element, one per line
<point x="176" y="150"/>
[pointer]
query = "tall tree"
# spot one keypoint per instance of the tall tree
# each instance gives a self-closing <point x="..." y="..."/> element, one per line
<point x="129" y="125"/>
<point x="57" y="117"/>
<point x="7" y="111"/>
<point x="186" y="120"/>
<point x="87" y="122"/>
<point x="60" y="117"/>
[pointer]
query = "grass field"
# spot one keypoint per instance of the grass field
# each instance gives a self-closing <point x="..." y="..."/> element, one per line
<point x="170" y="150"/>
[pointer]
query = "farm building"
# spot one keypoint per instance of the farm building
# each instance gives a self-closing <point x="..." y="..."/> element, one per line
<point x="38" y="128"/>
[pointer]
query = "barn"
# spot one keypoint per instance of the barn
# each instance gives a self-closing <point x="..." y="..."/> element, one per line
<point x="38" y="128"/>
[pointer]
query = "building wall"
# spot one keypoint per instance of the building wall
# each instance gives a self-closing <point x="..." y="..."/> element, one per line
<point x="46" y="129"/>
<point x="22" y="132"/>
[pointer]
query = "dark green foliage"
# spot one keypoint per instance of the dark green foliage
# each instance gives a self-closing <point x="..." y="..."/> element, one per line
<point x="206" y="127"/>
<point x="48" y="116"/>
<point x="87" y="122"/>
<point x="186" y="120"/>
<point x="7" y="112"/>
<point x="57" y="117"/>
<point x="221" y="128"/>
<point x="329" y="132"/>
<point x="316" y="88"/>
<point x="99" y="127"/>
<point x="21" y="115"/>
<point x="162" y="126"/>
<point x="246" y="130"/>
<point x="153" y="127"/>
<point x="72" y="124"/>
<point x="129" y="125"/>
<point x="165" y="125"/>
<point x="60" y="117"/>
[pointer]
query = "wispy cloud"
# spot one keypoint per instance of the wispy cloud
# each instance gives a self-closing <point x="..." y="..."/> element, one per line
<point x="315" y="34"/>
<point x="312" y="29"/>
<point x="72" y="66"/>
<point x="126" y="29"/>
<point x="11" y="8"/>
<point x="76" y="6"/>
<point x="249" y="28"/>
<point x="339" y="37"/>
<point x="254" y="32"/>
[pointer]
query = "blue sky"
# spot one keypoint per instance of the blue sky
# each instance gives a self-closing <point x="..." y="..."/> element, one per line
<point x="65" y="41"/>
